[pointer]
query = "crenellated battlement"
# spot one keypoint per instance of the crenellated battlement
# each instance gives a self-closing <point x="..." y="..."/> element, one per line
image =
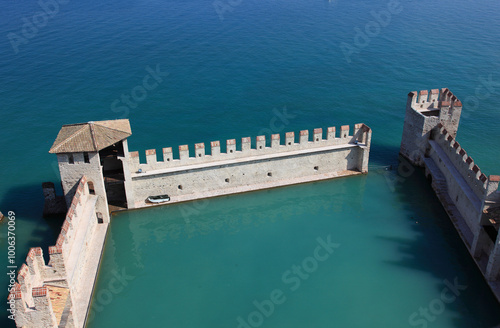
<point x="471" y="199"/>
<point x="464" y="163"/>
<point x="248" y="164"/>
<point x="436" y="99"/>
<point x="66" y="260"/>
<point x="32" y="301"/>
<point x="31" y="274"/>
<point x="438" y="106"/>
<point x="37" y="313"/>
<point x="99" y="174"/>
<point x="66" y="237"/>
<point x="234" y="150"/>
<point x="424" y="111"/>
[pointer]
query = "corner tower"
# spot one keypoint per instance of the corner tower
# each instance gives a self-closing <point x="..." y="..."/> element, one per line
<point x="423" y="113"/>
<point x="96" y="150"/>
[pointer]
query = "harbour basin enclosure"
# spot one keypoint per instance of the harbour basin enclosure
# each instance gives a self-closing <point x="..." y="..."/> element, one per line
<point x="234" y="250"/>
<point x="58" y="293"/>
<point x="97" y="176"/>
<point x="245" y="69"/>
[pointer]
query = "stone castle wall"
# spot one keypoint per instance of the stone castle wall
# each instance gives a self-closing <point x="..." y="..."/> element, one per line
<point x="425" y="111"/>
<point x="58" y="294"/>
<point x="35" y="304"/>
<point x="462" y="162"/>
<point x="472" y="194"/>
<point x="466" y="184"/>
<point x="244" y="168"/>
<point x="471" y="199"/>
<point x="71" y="173"/>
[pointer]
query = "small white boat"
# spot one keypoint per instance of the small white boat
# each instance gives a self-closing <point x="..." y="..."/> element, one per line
<point x="158" y="199"/>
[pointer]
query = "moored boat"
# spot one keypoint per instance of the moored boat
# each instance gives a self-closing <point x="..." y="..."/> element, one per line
<point x="158" y="199"/>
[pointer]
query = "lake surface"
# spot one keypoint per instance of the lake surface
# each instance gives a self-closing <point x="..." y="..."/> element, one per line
<point x="232" y="69"/>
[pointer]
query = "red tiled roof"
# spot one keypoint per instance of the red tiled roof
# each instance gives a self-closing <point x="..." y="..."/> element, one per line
<point x="91" y="136"/>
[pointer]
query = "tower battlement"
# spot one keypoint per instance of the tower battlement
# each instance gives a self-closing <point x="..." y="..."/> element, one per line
<point x="424" y="111"/>
<point x="435" y="99"/>
<point x="471" y="199"/>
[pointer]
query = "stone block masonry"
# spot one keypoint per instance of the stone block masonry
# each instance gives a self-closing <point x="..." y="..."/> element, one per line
<point x="424" y="111"/>
<point x="471" y="199"/>
<point x="204" y="175"/>
<point x="98" y="173"/>
<point x="58" y="294"/>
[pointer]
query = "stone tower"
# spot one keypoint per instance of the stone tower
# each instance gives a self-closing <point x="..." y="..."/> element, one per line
<point x="96" y="150"/>
<point x="423" y="113"/>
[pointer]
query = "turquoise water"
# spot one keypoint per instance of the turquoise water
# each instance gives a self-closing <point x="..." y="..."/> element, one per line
<point x="228" y="79"/>
<point x="204" y="264"/>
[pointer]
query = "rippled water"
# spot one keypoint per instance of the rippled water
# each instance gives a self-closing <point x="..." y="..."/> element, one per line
<point x="204" y="264"/>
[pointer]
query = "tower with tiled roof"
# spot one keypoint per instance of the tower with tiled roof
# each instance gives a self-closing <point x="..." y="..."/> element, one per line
<point x="95" y="150"/>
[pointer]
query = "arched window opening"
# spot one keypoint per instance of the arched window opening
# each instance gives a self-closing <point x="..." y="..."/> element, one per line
<point x="91" y="188"/>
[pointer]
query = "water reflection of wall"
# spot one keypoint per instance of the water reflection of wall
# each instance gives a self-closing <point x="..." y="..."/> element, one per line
<point x="233" y="213"/>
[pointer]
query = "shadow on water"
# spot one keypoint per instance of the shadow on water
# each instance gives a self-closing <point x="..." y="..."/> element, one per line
<point x="32" y="230"/>
<point x="382" y="155"/>
<point x="437" y="239"/>
<point x="27" y="202"/>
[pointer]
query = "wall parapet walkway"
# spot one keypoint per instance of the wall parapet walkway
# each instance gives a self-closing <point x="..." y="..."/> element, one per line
<point x="471" y="199"/>
<point x="58" y="294"/>
<point x="245" y="149"/>
<point x="302" y="158"/>
<point x="41" y="286"/>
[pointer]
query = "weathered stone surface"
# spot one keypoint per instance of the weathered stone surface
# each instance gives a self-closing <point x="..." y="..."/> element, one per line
<point x="58" y="294"/>
<point x="248" y="169"/>
<point x="468" y="196"/>
<point x="44" y="289"/>
<point x="424" y="113"/>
